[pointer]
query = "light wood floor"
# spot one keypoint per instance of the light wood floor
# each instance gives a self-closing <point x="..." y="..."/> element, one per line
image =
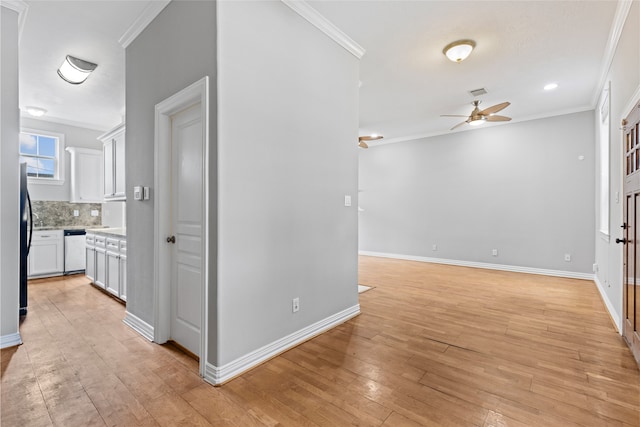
<point x="435" y="345"/>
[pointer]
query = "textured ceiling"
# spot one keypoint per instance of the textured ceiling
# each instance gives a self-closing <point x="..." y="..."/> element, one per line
<point x="88" y="30"/>
<point x="406" y="80"/>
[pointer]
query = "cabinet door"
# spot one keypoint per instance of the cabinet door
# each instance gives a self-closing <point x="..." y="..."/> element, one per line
<point x="118" y="170"/>
<point x="112" y="283"/>
<point x="101" y="267"/>
<point x="89" y="178"/>
<point x="90" y="268"/>
<point x="123" y="277"/>
<point x="46" y="255"/>
<point x="108" y="169"/>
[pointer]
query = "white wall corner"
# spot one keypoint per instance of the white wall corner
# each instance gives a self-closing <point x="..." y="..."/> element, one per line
<point x="622" y="12"/>
<point x="138" y="325"/>
<point x="219" y="375"/>
<point x="149" y="13"/>
<point x="10" y="340"/>
<point x="485" y="265"/>
<point x="303" y="9"/>
<point x="617" y="319"/>
<point x="22" y="8"/>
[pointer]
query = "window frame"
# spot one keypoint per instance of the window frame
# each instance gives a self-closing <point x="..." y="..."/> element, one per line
<point x="59" y="172"/>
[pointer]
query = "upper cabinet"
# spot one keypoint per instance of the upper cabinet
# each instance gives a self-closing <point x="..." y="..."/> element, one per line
<point x="86" y="175"/>
<point x="114" y="163"/>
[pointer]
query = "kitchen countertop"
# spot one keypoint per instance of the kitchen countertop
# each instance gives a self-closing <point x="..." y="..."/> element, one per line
<point x="117" y="232"/>
<point x="67" y="227"/>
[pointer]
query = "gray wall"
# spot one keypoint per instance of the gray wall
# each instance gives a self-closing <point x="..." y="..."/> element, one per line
<point x="288" y="100"/>
<point x="177" y="49"/>
<point x="73" y="137"/>
<point x="519" y="188"/>
<point x="9" y="171"/>
<point x="624" y="76"/>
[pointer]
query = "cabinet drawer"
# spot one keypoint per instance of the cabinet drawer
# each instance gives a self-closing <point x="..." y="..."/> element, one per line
<point x="123" y="246"/>
<point x="113" y="245"/>
<point x="101" y="241"/>
<point x="91" y="239"/>
<point x="41" y="236"/>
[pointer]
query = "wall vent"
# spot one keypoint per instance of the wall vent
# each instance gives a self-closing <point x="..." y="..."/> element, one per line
<point x="478" y="92"/>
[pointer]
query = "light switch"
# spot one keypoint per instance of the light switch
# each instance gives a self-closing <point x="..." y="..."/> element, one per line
<point x="145" y="193"/>
<point x="137" y="193"/>
<point x="95" y="212"/>
<point x="347" y="200"/>
<point x="76" y="212"/>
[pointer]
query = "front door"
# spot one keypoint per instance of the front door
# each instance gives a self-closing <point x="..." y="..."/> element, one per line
<point x="187" y="164"/>
<point x="631" y="141"/>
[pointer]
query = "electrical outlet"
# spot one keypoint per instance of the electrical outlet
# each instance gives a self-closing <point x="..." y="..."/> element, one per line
<point x="434" y="247"/>
<point x="567" y="257"/>
<point x="296" y="304"/>
<point x="95" y="212"/>
<point x="494" y="252"/>
<point x="76" y="212"/>
<point x="595" y="267"/>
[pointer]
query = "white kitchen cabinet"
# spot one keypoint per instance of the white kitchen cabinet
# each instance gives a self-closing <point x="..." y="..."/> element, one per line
<point x="90" y="250"/>
<point x="46" y="256"/>
<point x="110" y="255"/>
<point x="114" y="164"/>
<point x="86" y="175"/>
<point x="101" y="261"/>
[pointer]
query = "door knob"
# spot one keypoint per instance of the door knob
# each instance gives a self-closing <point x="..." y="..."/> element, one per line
<point x="623" y="241"/>
<point x="172" y="239"/>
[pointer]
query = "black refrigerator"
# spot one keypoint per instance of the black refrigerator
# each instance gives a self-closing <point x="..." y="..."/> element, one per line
<point x="26" y="229"/>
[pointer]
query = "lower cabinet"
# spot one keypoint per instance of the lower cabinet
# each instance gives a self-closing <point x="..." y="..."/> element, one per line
<point x="110" y="261"/>
<point x="46" y="256"/>
<point x="90" y="250"/>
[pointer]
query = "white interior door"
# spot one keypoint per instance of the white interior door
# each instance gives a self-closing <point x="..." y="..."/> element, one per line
<point x="187" y="226"/>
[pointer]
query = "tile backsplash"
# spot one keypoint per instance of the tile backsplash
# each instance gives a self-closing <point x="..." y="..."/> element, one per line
<point x="60" y="214"/>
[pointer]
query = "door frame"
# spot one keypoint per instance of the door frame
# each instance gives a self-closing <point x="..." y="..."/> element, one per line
<point x="197" y="93"/>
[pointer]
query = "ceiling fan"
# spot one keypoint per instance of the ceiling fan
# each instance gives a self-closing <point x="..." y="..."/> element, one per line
<point x="477" y="116"/>
<point x="362" y="139"/>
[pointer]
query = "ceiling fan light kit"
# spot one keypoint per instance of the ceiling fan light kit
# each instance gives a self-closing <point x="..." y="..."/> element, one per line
<point x="74" y="70"/>
<point x="459" y="50"/>
<point x="362" y="139"/>
<point x="478" y="117"/>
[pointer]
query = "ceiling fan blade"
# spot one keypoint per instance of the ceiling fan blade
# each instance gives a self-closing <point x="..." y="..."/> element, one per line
<point x="497" y="118"/>
<point x="362" y="144"/>
<point x="494" y="109"/>
<point x="458" y="125"/>
<point x="452" y="115"/>
<point x="370" y="137"/>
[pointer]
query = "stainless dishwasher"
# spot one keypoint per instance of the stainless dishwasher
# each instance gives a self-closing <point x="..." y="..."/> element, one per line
<point x="74" y="251"/>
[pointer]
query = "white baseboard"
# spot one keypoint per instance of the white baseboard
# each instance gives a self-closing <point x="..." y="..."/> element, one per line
<point x="617" y="319"/>
<point x="489" y="266"/>
<point x="10" y="340"/>
<point x="139" y="325"/>
<point x="218" y="375"/>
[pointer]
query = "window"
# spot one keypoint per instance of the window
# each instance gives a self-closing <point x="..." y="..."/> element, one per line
<point x="43" y="153"/>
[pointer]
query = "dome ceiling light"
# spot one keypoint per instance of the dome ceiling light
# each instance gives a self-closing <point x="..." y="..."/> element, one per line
<point x="459" y="50"/>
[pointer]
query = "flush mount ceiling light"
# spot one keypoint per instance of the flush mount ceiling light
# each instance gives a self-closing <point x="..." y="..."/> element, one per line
<point x="459" y="50"/>
<point x="551" y="86"/>
<point x="36" y="111"/>
<point x="75" y="71"/>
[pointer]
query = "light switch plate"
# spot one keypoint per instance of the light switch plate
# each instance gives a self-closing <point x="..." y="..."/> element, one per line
<point x="347" y="200"/>
<point x="145" y="193"/>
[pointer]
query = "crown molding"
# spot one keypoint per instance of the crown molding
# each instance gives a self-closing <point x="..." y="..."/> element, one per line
<point x="303" y="9"/>
<point x="149" y="13"/>
<point x="622" y="12"/>
<point x="22" y="8"/>
<point x="66" y="122"/>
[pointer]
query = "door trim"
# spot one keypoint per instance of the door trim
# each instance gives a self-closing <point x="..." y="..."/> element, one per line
<point x="196" y="93"/>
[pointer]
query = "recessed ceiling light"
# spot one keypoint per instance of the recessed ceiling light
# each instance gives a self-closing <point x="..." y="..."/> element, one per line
<point x="74" y="70"/>
<point x="551" y="86"/>
<point x="36" y="111"/>
<point x="459" y="50"/>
